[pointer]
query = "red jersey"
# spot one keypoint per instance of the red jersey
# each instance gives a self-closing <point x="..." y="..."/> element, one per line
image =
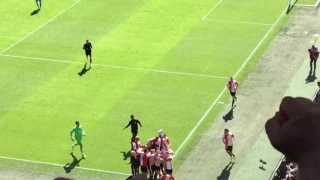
<point x="136" y="145"/>
<point x="232" y="85"/>
<point x="166" y="177"/>
<point x="154" y="141"/>
<point x="143" y="159"/>
<point x="312" y="53"/>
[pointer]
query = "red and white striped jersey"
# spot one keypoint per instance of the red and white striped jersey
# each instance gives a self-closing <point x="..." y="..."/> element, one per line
<point x="227" y="138"/>
<point x="232" y="85"/>
<point x="168" y="161"/>
<point x="144" y="159"/>
<point x="136" y="145"/>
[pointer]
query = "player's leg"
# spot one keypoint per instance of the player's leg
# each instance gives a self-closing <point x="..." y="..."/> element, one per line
<point x="87" y="54"/>
<point x="311" y="62"/>
<point x="90" y="56"/>
<point x="231" y="152"/>
<point x="232" y="95"/>
<point x="79" y="141"/>
<point x="315" y="64"/>
<point x="37" y="2"/>
<point x="40" y="3"/>
<point x="74" y="145"/>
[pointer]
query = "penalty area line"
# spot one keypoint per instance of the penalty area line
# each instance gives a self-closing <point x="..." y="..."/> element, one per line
<point x="116" y="67"/>
<point x="60" y="165"/>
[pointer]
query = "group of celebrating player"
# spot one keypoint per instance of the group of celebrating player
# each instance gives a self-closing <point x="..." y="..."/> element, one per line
<point x="154" y="158"/>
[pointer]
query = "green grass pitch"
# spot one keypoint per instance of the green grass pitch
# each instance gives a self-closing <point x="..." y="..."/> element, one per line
<point x="41" y="99"/>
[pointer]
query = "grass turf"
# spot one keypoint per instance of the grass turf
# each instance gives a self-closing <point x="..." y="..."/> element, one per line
<point x="43" y="99"/>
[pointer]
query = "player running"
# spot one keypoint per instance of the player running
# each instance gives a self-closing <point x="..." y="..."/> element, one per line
<point x="227" y="139"/>
<point x="87" y="47"/>
<point x="134" y="127"/>
<point x="39" y="3"/>
<point x="314" y="54"/>
<point x="232" y="86"/>
<point x="78" y="131"/>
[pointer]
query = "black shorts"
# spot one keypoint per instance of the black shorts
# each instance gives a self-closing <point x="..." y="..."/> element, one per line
<point x="134" y="133"/>
<point x="229" y="148"/>
<point x="169" y="171"/>
<point x="156" y="168"/>
<point x="233" y="94"/>
<point x="88" y="53"/>
<point x="144" y="169"/>
<point x="153" y="167"/>
<point x="313" y="59"/>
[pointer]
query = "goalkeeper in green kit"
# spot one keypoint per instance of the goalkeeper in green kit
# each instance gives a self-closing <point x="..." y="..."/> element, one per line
<point x="78" y="133"/>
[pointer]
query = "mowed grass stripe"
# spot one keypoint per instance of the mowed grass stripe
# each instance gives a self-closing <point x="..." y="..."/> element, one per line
<point x="21" y="79"/>
<point x="248" y="11"/>
<point x="64" y="37"/>
<point x="17" y="22"/>
<point x="47" y="22"/>
<point x="149" y="34"/>
<point x="213" y="48"/>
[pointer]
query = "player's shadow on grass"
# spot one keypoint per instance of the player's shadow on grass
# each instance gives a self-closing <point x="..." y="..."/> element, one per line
<point x="84" y="70"/>
<point x="70" y="166"/>
<point x="126" y="155"/>
<point x="311" y="77"/>
<point x="225" y="174"/>
<point x="291" y="7"/>
<point x="137" y="177"/>
<point x="35" y="12"/>
<point x="229" y="116"/>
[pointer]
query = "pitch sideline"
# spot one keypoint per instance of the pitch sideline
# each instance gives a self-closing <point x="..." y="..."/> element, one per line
<point x="225" y="88"/>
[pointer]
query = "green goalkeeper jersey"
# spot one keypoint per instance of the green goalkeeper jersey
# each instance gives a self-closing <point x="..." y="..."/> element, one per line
<point x="78" y="131"/>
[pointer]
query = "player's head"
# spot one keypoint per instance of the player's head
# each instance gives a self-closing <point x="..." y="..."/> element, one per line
<point x="231" y="78"/>
<point x="226" y="130"/>
<point x="132" y="116"/>
<point x="77" y="123"/>
<point x="87" y="41"/>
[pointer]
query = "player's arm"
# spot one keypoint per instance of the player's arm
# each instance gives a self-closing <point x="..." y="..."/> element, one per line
<point x="83" y="133"/>
<point x="84" y="46"/>
<point x="232" y="137"/>
<point x="139" y="123"/>
<point x="90" y="46"/>
<point x="228" y="85"/>
<point x="127" y="125"/>
<point x="72" y="131"/>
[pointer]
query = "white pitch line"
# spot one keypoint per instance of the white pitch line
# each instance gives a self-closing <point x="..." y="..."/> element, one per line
<point x="225" y="88"/>
<point x="61" y="165"/>
<point x="117" y="67"/>
<point x="32" y="32"/>
<point x="305" y="5"/>
<point x="238" y="22"/>
<point x="205" y="16"/>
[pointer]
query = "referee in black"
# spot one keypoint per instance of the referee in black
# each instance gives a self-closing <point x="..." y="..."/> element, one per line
<point x="87" y="48"/>
<point x="134" y="127"/>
